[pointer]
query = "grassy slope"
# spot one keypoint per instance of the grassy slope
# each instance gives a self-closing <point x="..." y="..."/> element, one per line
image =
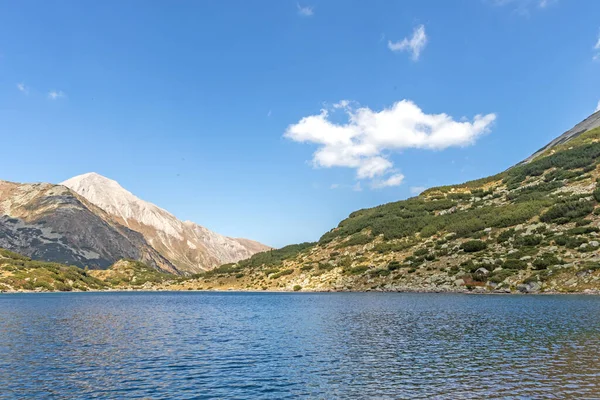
<point x="532" y="227"/>
<point x="20" y="273"/>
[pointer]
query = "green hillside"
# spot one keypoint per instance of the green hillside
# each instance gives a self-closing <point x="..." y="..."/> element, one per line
<point x="532" y="227"/>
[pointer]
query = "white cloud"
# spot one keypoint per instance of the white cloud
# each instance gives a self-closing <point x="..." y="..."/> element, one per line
<point x="269" y="113"/>
<point x="22" y="88"/>
<point x="415" y="44"/>
<point x="355" y="187"/>
<point x="394" y="180"/>
<point x="597" y="107"/>
<point x="416" y="190"/>
<point x="365" y="140"/>
<point x="305" y="11"/>
<point x="55" y="95"/>
<point x="597" y="48"/>
<point x="523" y="7"/>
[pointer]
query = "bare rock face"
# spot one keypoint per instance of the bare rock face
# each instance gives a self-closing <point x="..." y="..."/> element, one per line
<point x="188" y="246"/>
<point x="52" y="223"/>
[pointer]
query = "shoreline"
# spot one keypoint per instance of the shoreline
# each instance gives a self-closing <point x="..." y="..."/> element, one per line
<point x="586" y="292"/>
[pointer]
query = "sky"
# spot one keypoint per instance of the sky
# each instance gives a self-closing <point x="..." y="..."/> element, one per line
<point x="274" y="120"/>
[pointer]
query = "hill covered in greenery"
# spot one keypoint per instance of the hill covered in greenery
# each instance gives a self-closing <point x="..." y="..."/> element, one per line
<point x="533" y="227"/>
<point x="21" y="273"/>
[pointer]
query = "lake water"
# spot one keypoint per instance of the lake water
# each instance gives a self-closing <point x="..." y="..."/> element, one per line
<point x="276" y="346"/>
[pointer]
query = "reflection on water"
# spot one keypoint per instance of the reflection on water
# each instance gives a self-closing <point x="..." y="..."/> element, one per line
<point x="235" y="345"/>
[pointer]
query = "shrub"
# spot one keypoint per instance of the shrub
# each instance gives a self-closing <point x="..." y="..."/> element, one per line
<point x="528" y="240"/>
<point x="513" y="263"/>
<point x="355" y="240"/>
<point x="297" y="288"/>
<point x="393" y="265"/>
<point x="546" y="260"/>
<point x="569" y="241"/>
<point x="271" y="271"/>
<point x="420" y="252"/>
<point x="500" y="276"/>
<point x="356" y="270"/>
<point x="582" y="230"/>
<point x="596" y="193"/>
<point x="282" y="273"/>
<point x="505" y="235"/>
<point x="567" y="210"/>
<point x="473" y="246"/>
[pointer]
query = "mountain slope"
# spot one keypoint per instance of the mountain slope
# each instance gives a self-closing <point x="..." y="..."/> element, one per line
<point x="534" y="227"/>
<point x="52" y="223"/>
<point x="591" y="122"/>
<point x="191" y="247"/>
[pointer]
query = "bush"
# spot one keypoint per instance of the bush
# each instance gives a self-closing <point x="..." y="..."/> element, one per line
<point x="546" y="260"/>
<point x="393" y="265"/>
<point x="507" y="234"/>
<point x="355" y="240"/>
<point x="569" y="241"/>
<point x="356" y="270"/>
<point x="500" y="276"/>
<point x="282" y="273"/>
<point x="567" y="210"/>
<point x="596" y="193"/>
<point x="513" y="263"/>
<point x="420" y="252"/>
<point x="528" y="240"/>
<point x="473" y="246"/>
<point x="297" y="288"/>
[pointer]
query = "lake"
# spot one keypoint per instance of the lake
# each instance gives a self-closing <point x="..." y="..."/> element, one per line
<point x="298" y="345"/>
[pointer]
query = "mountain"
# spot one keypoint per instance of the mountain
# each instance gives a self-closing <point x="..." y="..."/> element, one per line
<point x="532" y="228"/>
<point x="190" y="247"/>
<point x="591" y="122"/>
<point x="52" y="223"/>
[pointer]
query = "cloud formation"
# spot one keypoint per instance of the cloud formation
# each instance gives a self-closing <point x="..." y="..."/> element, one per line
<point x="305" y="11"/>
<point x="22" y="88"/>
<point x="365" y="140"/>
<point x="415" y="44"/>
<point x="393" y="180"/>
<point x="597" y="107"/>
<point x="523" y="7"/>
<point x="55" y="94"/>
<point x="597" y="49"/>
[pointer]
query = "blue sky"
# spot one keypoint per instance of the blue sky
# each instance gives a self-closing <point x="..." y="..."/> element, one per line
<point x="273" y="120"/>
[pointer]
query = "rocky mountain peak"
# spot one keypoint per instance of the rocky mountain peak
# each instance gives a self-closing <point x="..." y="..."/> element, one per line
<point x="191" y="247"/>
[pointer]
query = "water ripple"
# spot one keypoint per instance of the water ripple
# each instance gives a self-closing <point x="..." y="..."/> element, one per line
<point x="289" y="346"/>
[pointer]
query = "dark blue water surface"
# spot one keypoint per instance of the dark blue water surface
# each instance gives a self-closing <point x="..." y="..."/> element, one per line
<point x="276" y="346"/>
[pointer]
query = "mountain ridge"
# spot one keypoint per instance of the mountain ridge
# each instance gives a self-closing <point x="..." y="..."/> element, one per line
<point x="52" y="223"/>
<point x="589" y="123"/>
<point x="191" y="247"/>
